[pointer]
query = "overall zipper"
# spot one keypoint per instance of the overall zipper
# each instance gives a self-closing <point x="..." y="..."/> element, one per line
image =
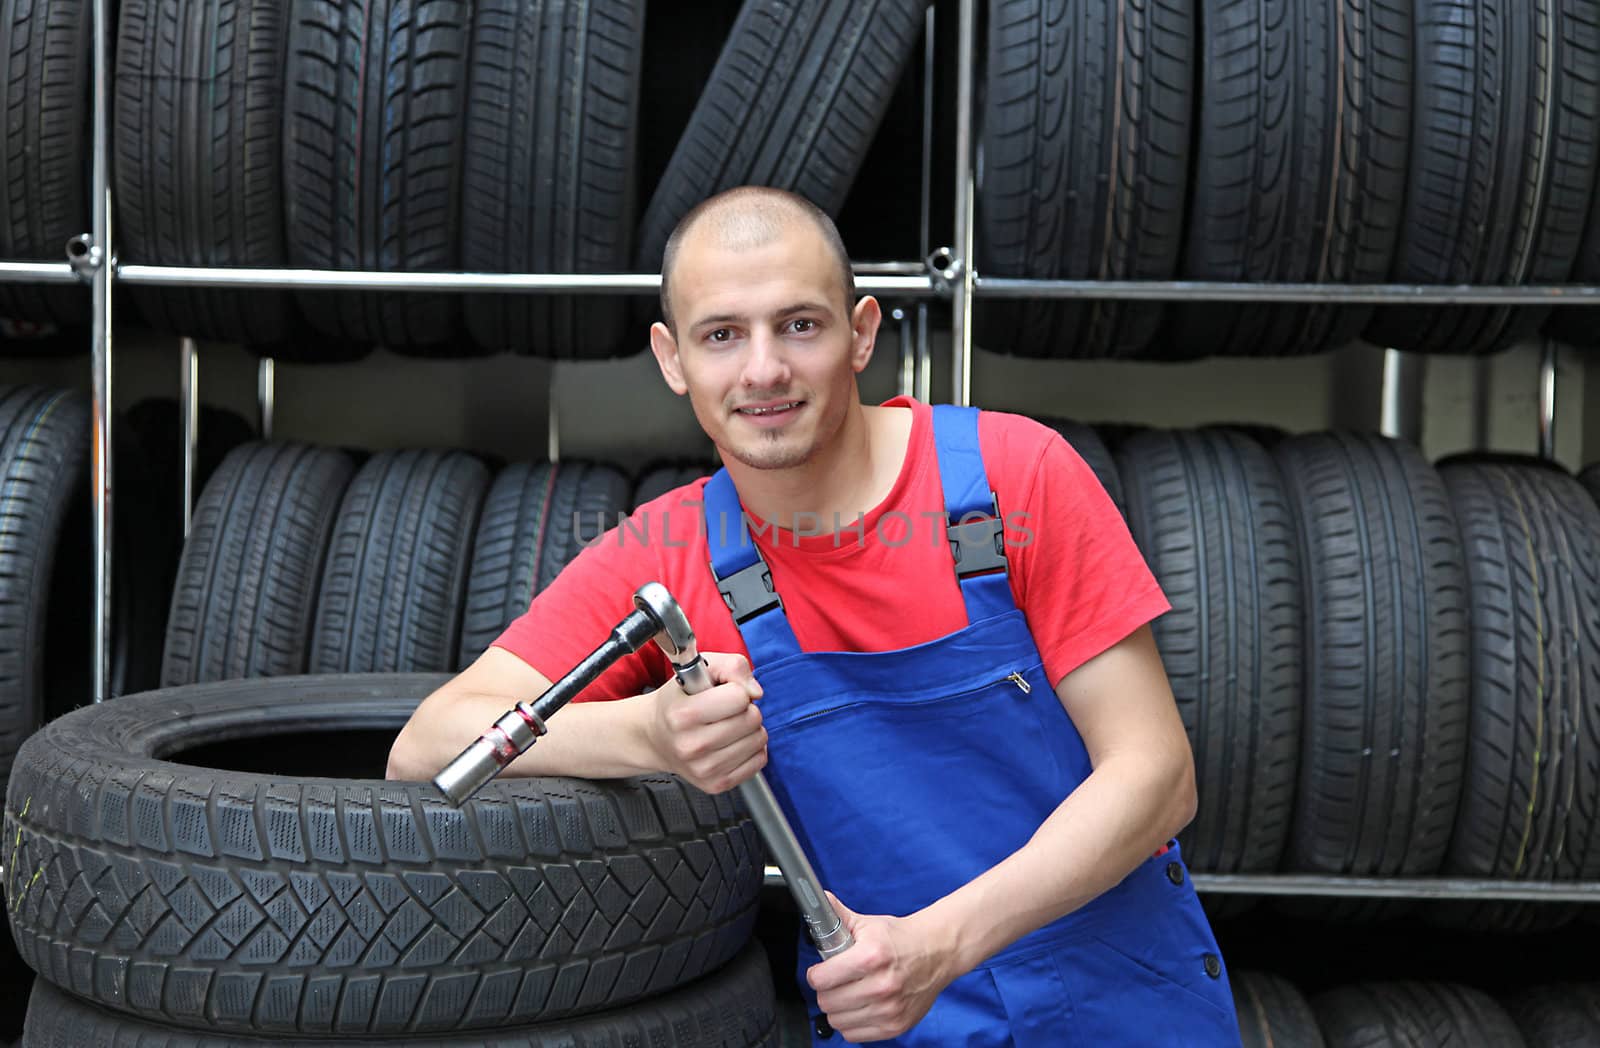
<point x="1014" y="677"/>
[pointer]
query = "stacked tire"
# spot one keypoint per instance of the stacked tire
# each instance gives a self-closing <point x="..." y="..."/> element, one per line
<point x="1385" y="668"/>
<point x="1303" y="142"/>
<point x="301" y="561"/>
<point x="1426" y="1014"/>
<point x="184" y="868"/>
<point x="347" y="134"/>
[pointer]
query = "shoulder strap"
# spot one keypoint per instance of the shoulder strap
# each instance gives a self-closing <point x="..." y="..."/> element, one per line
<point x="742" y="575"/>
<point x="975" y="528"/>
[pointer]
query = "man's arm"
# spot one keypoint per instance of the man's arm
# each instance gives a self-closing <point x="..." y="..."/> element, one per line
<point x="713" y="739"/>
<point x="591" y="739"/>
<point x="1140" y="793"/>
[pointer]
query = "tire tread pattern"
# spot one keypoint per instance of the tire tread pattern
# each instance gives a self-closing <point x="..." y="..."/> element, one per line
<point x="1384" y="732"/>
<point x="1530" y="804"/>
<point x="551" y="125"/>
<point x="535" y="521"/>
<point x="793" y="102"/>
<point x="372" y="144"/>
<point x="1210" y="514"/>
<point x="392" y="592"/>
<point x="197" y="137"/>
<point x="45" y="80"/>
<point x="247" y="580"/>
<point x="235" y="901"/>
<point x="1086" y="166"/>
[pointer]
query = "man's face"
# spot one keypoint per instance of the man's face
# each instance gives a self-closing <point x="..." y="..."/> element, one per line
<point x="766" y="347"/>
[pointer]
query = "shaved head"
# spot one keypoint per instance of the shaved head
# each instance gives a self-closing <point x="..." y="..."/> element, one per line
<point x="748" y="217"/>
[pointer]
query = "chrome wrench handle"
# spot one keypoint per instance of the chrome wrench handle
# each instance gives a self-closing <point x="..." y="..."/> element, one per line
<point x="827" y="931"/>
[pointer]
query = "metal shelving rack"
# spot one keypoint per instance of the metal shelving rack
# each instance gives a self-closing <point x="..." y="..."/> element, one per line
<point x="946" y="273"/>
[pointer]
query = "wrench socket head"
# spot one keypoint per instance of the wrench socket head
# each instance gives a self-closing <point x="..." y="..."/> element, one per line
<point x="674" y="636"/>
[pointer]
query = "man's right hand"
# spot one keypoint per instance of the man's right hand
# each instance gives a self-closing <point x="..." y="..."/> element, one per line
<point x="713" y="739"/>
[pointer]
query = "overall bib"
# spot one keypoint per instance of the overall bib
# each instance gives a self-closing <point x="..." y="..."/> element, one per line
<point x="908" y="773"/>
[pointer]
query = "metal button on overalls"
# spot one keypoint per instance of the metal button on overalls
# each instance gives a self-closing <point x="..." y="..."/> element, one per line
<point x="908" y="773"/>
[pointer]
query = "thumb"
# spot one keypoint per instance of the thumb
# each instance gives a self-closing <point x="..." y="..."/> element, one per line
<point x="846" y="914"/>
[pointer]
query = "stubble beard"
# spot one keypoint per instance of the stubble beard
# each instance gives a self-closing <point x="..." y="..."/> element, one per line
<point x="770" y="451"/>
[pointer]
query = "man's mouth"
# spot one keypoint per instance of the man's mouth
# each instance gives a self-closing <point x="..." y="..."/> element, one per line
<point x="770" y="409"/>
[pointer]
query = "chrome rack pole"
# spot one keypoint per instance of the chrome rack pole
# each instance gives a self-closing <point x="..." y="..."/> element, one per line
<point x="553" y="435"/>
<point x="1401" y="411"/>
<point x="189" y="422"/>
<point x="908" y="352"/>
<point x="102" y="258"/>
<point x="922" y="368"/>
<point x="961" y="300"/>
<point x="266" y="393"/>
<point x="1547" y="401"/>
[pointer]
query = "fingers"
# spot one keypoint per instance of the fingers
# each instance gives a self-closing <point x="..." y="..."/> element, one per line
<point x="717" y="704"/>
<point x="732" y="668"/>
<point x="714" y="738"/>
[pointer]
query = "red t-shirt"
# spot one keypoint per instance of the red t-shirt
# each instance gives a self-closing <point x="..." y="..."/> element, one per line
<point x="883" y="582"/>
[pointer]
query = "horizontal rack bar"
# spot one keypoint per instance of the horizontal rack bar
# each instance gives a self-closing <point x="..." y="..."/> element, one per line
<point x="1209" y="291"/>
<point x="888" y="279"/>
<point x="1369" y="887"/>
<point x="580" y="283"/>
<point x="37" y="273"/>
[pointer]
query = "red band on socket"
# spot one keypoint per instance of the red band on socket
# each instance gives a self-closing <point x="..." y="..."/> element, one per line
<point x="505" y="751"/>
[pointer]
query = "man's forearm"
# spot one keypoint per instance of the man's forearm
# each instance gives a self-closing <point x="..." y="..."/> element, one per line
<point x="591" y="740"/>
<point x="1116" y="819"/>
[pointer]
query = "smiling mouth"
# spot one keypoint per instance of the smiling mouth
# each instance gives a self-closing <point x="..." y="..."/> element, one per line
<point x="772" y="409"/>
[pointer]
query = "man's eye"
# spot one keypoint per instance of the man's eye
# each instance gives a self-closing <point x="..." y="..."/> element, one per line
<point x="720" y="335"/>
<point x="802" y="325"/>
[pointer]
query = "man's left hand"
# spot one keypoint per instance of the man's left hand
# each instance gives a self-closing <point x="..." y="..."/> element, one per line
<point x="884" y="984"/>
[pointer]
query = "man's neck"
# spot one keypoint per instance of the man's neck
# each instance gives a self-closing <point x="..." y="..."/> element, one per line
<point x="842" y="481"/>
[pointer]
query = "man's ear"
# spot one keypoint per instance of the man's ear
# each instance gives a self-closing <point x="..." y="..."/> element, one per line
<point x="864" y="321"/>
<point x="665" y="347"/>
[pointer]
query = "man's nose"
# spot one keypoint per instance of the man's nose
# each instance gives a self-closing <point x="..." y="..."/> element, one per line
<point x="765" y="365"/>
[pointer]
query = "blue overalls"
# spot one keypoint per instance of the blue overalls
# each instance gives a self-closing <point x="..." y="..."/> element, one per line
<point x="908" y="773"/>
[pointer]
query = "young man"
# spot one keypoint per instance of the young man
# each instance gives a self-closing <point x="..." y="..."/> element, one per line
<point x="981" y="753"/>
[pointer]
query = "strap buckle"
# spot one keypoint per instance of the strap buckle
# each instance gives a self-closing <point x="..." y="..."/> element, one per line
<point x="979" y="545"/>
<point x="748" y="592"/>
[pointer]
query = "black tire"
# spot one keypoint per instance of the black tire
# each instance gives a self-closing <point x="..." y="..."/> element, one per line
<point x="146" y="545"/>
<point x="372" y="143"/>
<point x="1087" y="443"/>
<point x="44" y="446"/>
<point x="1085" y="165"/>
<point x="794" y="101"/>
<point x="198" y="141"/>
<point x="1413" y="1014"/>
<point x="1482" y="207"/>
<point x="551" y="124"/>
<point x="1299" y="166"/>
<point x="1562" y="1015"/>
<point x="1384" y="732"/>
<point x="46" y="593"/>
<point x="158" y="425"/>
<point x="1578" y="327"/>
<point x="264" y="896"/>
<point x="1531" y="800"/>
<point x="1590" y="479"/>
<point x="396" y="574"/>
<point x="536" y="519"/>
<point x="1209" y="512"/>
<point x="732" y="1007"/>
<point x="658" y="480"/>
<point x="44" y="149"/>
<point x="1272" y="1011"/>
<point x="248" y="577"/>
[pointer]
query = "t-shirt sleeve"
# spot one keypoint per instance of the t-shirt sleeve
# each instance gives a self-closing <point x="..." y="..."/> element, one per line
<point x="575" y="614"/>
<point x="1080" y="580"/>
